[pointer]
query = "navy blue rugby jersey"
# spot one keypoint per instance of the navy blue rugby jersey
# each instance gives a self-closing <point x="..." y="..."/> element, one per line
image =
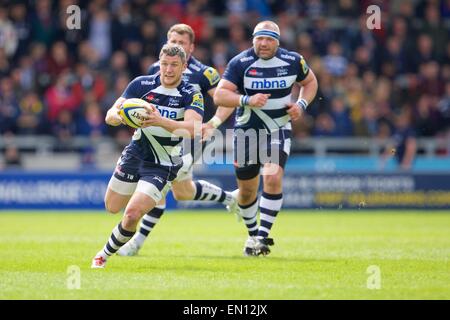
<point x="155" y="144"/>
<point x="201" y="76"/>
<point x="275" y="76"/>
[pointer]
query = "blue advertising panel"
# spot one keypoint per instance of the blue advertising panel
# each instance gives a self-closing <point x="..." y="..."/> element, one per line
<point x="19" y="190"/>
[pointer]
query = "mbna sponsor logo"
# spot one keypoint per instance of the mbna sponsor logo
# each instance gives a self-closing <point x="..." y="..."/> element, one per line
<point x="268" y="84"/>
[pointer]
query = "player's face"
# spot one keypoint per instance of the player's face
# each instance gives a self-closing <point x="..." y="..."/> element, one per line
<point x="183" y="41"/>
<point x="171" y="69"/>
<point x="265" y="47"/>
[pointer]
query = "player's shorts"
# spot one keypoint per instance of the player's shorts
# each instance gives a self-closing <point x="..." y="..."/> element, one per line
<point x="132" y="174"/>
<point x="254" y="148"/>
<point x="186" y="171"/>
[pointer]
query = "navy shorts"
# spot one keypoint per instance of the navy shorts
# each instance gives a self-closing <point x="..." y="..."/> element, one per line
<point x="254" y="148"/>
<point x="131" y="170"/>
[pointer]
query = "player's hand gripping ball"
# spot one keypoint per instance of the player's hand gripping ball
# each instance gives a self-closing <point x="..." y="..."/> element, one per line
<point x="134" y="111"/>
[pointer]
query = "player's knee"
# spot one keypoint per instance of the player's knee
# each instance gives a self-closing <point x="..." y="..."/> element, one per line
<point x="133" y="214"/>
<point x="112" y="208"/>
<point x="272" y="182"/>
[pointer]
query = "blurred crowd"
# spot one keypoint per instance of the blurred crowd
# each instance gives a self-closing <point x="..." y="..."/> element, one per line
<point x="60" y="81"/>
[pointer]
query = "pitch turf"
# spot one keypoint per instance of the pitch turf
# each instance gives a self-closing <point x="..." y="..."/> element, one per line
<point x="317" y="255"/>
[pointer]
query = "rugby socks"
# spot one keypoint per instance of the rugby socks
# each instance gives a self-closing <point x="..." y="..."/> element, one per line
<point x="148" y="222"/>
<point x="248" y="213"/>
<point x="206" y="191"/>
<point x="269" y="206"/>
<point x="118" y="238"/>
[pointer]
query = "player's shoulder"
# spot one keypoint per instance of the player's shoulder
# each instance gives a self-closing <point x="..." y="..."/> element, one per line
<point x="186" y="88"/>
<point x="288" y="56"/>
<point x="245" y="57"/>
<point x="210" y="73"/>
<point x="154" y="68"/>
<point x="145" y="80"/>
<point x="196" y="65"/>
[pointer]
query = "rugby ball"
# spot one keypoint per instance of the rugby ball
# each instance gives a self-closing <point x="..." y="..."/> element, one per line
<point x="133" y="112"/>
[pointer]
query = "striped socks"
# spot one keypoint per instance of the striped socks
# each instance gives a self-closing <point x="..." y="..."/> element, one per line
<point x="269" y="206"/>
<point x="118" y="238"/>
<point x="248" y="213"/>
<point x="148" y="222"/>
<point x="206" y="191"/>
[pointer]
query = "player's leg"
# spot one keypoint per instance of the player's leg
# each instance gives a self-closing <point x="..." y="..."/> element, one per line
<point x="272" y="196"/>
<point x="148" y="222"/>
<point x="200" y="190"/>
<point x="122" y="183"/>
<point x="269" y="205"/>
<point x="185" y="189"/>
<point x="248" y="184"/>
<point x="114" y="201"/>
<point x="138" y="205"/>
<point x="150" y="219"/>
<point x="149" y="192"/>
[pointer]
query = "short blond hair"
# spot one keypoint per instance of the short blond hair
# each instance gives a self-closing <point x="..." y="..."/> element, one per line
<point x="173" y="50"/>
<point x="182" y="28"/>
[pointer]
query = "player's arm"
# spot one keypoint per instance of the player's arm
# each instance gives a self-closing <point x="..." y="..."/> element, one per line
<point x="227" y="97"/>
<point x="131" y="91"/>
<point x="221" y="115"/>
<point x="185" y="128"/>
<point x="112" y="116"/>
<point x="308" y="91"/>
<point x="191" y="124"/>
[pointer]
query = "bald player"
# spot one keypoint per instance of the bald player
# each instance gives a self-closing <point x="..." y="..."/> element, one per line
<point x="259" y="81"/>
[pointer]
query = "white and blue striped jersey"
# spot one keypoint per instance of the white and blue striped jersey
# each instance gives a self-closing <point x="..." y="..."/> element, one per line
<point x="276" y="76"/>
<point x="201" y="76"/>
<point x="155" y="144"/>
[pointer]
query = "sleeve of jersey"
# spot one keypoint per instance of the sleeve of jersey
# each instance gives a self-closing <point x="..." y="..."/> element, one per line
<point x="132" y="90"/>
<point x="232" y="72"/>
<point x="210" y="79"/>
<point x="195" y="102"/>
<point x="152" y="69"/>
<point x="303" y="69"/>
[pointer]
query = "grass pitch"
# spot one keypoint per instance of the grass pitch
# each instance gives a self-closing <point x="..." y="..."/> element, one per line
<point x="317" y="255"/>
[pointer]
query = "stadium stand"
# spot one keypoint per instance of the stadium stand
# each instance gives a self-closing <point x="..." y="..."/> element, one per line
<point x="57" y="83"/>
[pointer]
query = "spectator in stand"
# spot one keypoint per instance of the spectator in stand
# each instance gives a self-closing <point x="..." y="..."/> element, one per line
<point x="92" y="123"/>
<point x="435" y="28"/>
<point x="341" y="117"/>
<point x="324" y="126"/>
<point x="100" y="33"/>
<point x="408" y="58"/>
<point x="335" y="63"/>
<point x="64" y="129"/>
<point x="92" y="82"/>
<point x="425" y="53"/>
<point x="428" y="119"/>
<point x="8" y="34"/>
<point x="44" y="24"/>
<point x="444" y="107"/>
<point x="12" y="158"/>
<point x="32" y="118"/>
<point x="321" y="35"/>
<point x="65" y="95"/>
<point x="404" y="146"/>
<point x="19" y="17"/>
<point x="370" y="123"/>
<point x="430" y="82"/>
<point x="9" y="107"/>
<point x="150" y="38"/>
<point x="59" y="59"/>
